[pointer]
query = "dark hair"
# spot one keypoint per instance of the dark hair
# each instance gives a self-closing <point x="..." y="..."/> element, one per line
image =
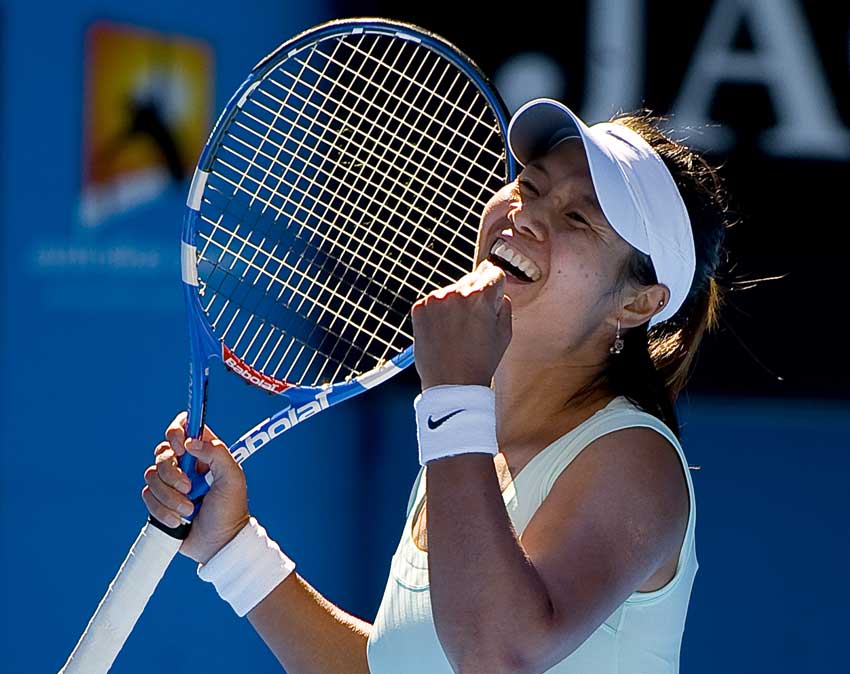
<point x="655" y="364"/>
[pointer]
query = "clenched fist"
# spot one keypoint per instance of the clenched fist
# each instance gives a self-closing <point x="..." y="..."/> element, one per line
<point x="461" y="331"/>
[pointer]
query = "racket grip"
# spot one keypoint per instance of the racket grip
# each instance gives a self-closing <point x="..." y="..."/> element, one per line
<point x="200" y="483"/>
<point x="123" y="603"/>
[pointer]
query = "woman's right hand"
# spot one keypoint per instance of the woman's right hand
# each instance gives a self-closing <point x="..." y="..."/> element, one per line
<point x="225" y="508"/>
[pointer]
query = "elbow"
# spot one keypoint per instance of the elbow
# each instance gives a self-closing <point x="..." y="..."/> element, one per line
<point x="523" y="646"/>
<point x="500" y="654"/>
<point x="496" y="661"/>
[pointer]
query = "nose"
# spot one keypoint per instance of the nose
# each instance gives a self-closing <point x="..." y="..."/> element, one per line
<point x="527" y="219"/>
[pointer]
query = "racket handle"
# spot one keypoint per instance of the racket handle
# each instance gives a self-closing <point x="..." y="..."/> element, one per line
<point x="123" y="603"/>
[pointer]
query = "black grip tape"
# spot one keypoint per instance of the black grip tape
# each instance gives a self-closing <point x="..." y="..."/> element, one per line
<point x="179" y="532"/>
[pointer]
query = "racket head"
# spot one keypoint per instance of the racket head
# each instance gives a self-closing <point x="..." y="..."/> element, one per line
<point x="343" y="180"/>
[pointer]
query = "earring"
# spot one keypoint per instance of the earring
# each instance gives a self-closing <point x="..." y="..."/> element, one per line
<point x="618" y="345"/>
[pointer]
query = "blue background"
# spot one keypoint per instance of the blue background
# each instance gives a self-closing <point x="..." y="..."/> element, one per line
<point x="94" y="367"/>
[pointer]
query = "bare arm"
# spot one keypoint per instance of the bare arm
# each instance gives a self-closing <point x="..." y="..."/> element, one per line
<point x="502" y="604"/>
<point x="486" y="596"/>
<point x="307" y="633"/>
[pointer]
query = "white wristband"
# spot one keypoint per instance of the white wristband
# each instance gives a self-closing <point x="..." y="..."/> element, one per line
<point x="247" y="569"/>
<point x="452" y="420"/>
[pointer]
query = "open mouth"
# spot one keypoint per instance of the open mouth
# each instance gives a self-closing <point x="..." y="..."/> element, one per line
<point x="513" y="262"/>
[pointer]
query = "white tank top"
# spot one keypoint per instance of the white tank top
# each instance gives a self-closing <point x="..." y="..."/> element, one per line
<point x="643" y="635"/>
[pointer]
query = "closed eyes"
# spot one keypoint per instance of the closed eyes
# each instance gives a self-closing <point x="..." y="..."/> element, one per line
<point x="528" y="185"/>
<point x="578" y="217"/>
<point x="524" y="184"/>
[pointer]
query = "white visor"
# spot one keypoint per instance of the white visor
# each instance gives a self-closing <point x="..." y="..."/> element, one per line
<point x="633" y="186"/>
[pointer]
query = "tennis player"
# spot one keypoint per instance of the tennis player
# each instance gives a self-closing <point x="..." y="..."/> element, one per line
<point x="558" y="534"/>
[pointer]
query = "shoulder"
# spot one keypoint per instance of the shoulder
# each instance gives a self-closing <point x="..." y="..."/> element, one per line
<point x="638" y="463"/>
<point x="619" y="443"/>
<point x="632" y="452"/>
<point x="622" y="444"/>
<point x="610" y="524"/>
<point x="626" y="488"/>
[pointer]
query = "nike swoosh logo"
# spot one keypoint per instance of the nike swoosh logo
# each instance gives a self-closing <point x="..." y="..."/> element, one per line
<point x="433" y="425"/>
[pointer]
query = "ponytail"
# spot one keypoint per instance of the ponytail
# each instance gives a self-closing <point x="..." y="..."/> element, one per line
<point x="655" y="364"/>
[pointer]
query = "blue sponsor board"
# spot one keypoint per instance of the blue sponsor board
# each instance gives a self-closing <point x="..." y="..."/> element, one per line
<point x="95" y="348"/>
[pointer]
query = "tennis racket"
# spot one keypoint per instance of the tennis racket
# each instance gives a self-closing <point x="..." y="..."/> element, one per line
<point x="343" y="181"/>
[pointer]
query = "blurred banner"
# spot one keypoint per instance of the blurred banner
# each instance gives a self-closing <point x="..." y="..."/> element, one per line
<point x="147" y="106"/>
<point x="764" y="85"/>
<point x="147" y="100"/>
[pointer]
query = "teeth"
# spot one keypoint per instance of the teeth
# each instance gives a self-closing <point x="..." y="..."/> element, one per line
<point x="501" y="250"/>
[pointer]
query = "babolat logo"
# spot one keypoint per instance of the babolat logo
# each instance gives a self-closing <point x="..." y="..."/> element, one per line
<point x="260" y="435"/>
<point x="249" y="374"/>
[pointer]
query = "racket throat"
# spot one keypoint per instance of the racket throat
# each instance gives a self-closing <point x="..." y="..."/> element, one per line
<point x="250" y="374"/>
<point x="268" y="430"/>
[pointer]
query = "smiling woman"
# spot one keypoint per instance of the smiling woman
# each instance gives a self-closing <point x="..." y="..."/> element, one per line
<point x="558" y="361"/>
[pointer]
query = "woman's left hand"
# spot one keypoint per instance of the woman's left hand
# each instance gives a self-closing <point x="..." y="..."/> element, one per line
<point x="461" y="331"/>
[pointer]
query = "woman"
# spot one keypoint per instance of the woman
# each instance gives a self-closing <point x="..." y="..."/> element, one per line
<point x="557" y="362"/>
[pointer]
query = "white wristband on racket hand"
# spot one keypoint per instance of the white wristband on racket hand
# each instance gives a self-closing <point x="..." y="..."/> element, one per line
<point x="247" y="569"/>
<point x="452" y="420"/>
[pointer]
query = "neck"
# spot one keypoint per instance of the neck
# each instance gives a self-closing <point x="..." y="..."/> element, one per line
<point x="534" y="400"/>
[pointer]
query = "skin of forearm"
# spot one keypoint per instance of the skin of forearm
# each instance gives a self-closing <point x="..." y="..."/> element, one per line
<point x="491" y="609"/>
<point x="307" y="633"/>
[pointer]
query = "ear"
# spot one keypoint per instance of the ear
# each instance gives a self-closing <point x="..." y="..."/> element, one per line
<point x="643" y="304"/>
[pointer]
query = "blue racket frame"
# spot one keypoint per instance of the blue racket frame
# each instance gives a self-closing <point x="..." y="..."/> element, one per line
<point x="157" y="544"/>
<point x="299" y="403"/>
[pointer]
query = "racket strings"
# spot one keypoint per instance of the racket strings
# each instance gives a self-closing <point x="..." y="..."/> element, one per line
<point x="417" y="288"/>
<point x="325" y="307"/>
<point x="428" y="132"/>
<point x="313" y="301"/>
<point x="262" y="272"/>
<point x="406" y="175"/>
<point x="371" y="63"/>
<point x="310" y="214"/>
<point x="473" y="199"/>
<point x="344" y="189"/>
<point x="371" y="250"/>
<point x="292" y="267"/>
<point x="292" y="325"/>
<point x="413" y="148"/>
<point x="361" y="166"/>
<point x="459" y="269"/>
<point x="257" y="150"/>
<point x="266" y="340"/>
<point x="368" y="82"/>
<point x="269" y="255"/>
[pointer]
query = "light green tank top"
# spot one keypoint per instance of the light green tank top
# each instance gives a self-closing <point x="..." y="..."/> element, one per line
<point x="643" y="635"/>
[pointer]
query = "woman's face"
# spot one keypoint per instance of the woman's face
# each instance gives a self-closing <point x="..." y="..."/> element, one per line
<point x="561" y="257"/>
